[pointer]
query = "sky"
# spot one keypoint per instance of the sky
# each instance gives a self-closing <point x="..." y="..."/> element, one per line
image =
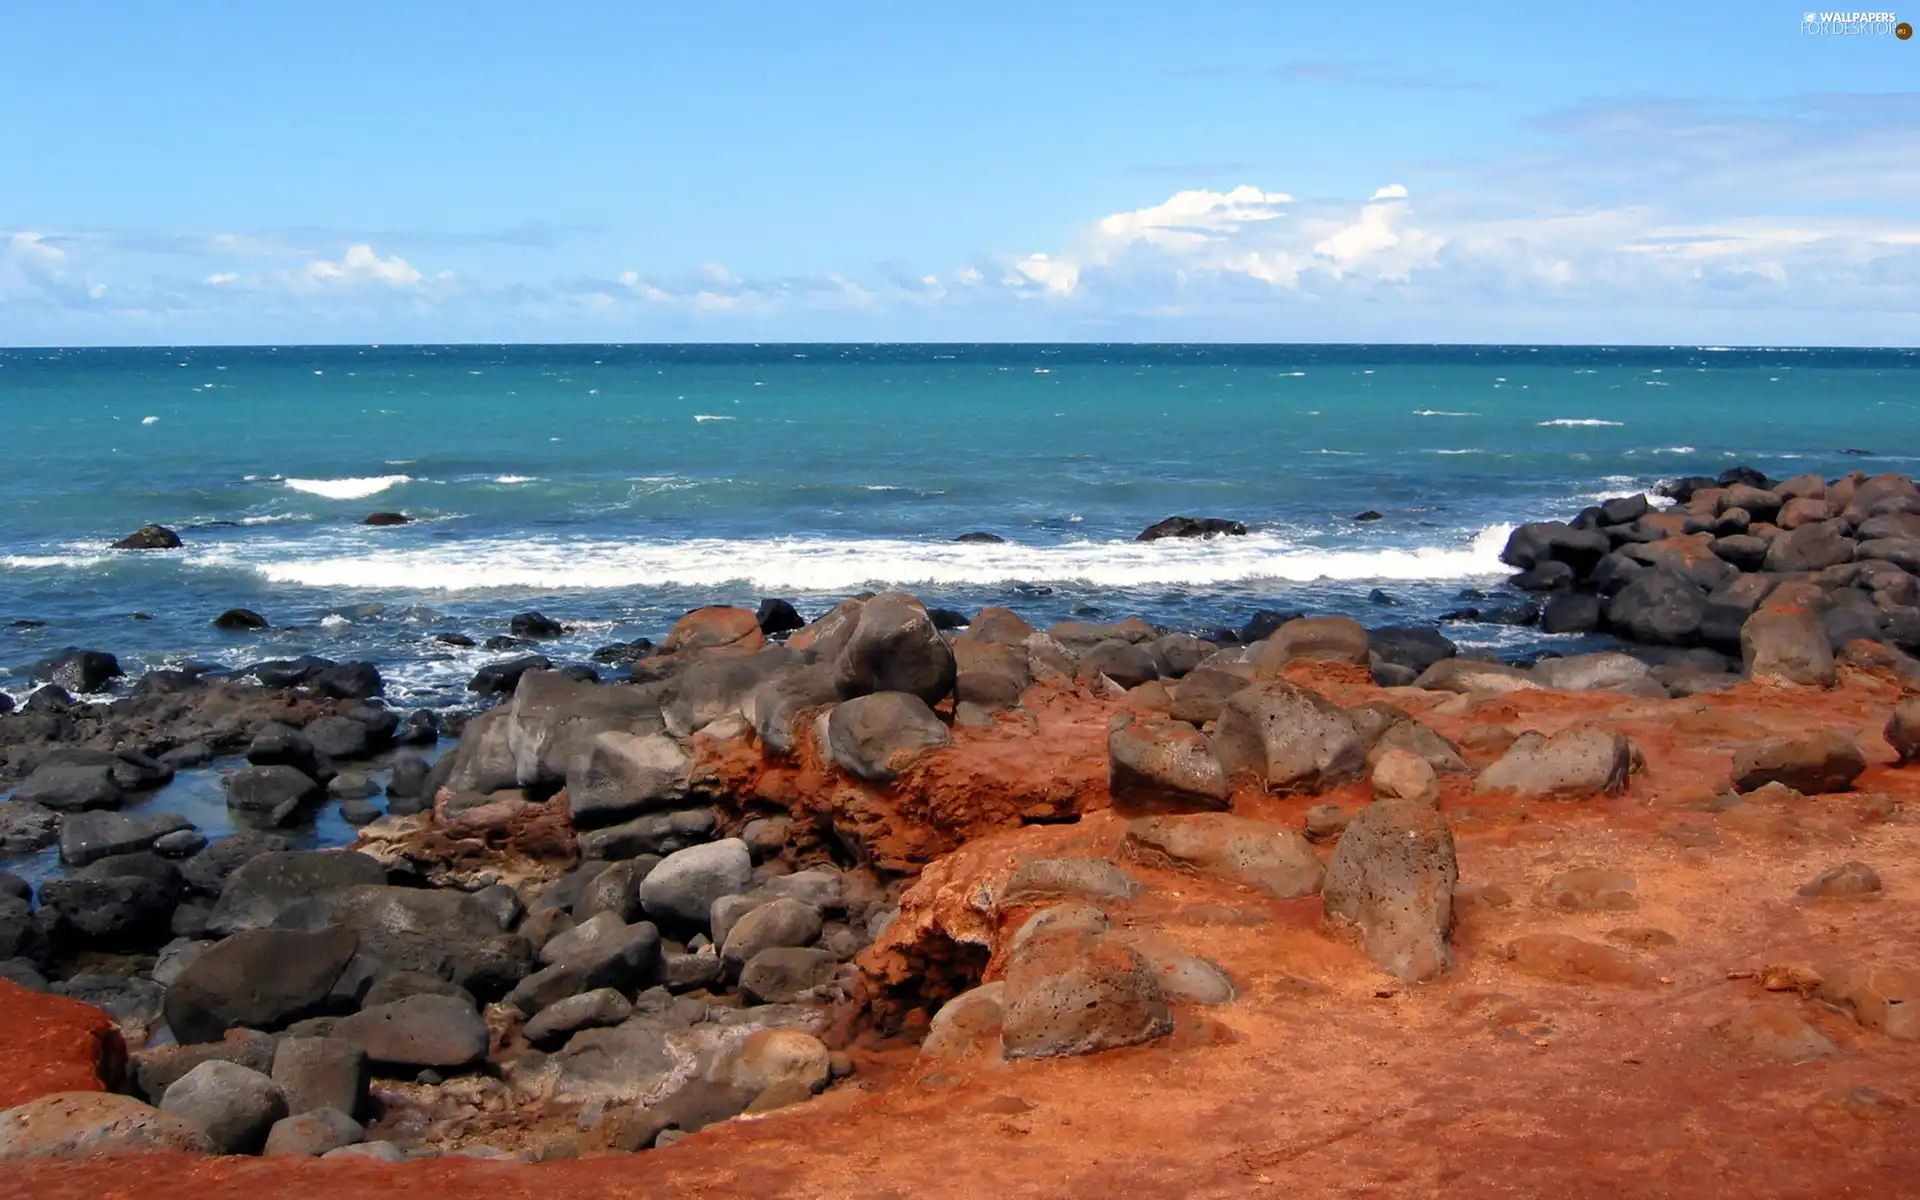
<point x="200" y="172"/>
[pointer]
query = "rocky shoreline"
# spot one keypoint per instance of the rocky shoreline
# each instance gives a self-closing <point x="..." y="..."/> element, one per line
<point x="777" y="859"/>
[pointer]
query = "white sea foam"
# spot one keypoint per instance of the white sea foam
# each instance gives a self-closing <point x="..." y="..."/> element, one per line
<point x="1578" y="421"/>
<point x="334" y="621"/>
<point x="149" y="420"/>
<point x="348" y="489"/>
<point x="41" y="562"/>
<point x="515" y="479"/>
<point x="276" y="518"/>
<point x="1434" y="412"/>
<point x="1456" y="452"/>
<point x="704" y="417"/>
<point x="803" y="564"/>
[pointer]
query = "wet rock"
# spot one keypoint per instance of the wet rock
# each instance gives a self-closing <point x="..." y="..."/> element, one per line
<point x="26" y="827"/>
<point x="240" y="619"/>
<point x="501" y="678"/>
<point x="1587" y="760"/>
<point x="1852" y="880"/>
<point x="87" y="837"/>
<point x="1416" y="647"/>
<point x="260" y="979"/>
<point x="1190" y="527"/>
<point x="82" y="672"/>
<point x="70" y="788"/>
<point x="149" y="537"/>
<point x="232" y="1105"/>
<point x="312" y="1134"/>
<point x="781" y="974"/>
<point x="534" y="625"/>
<point x="340" y="738"/>
<point x="1818" y="761"/>
<point x="279" y="794"/>
<point x="1257" y="854"/>
<point x="1165" y="764"/>
<point x="420" y="1031"/>
<point x="1572" y="612"/>
<point x="1392" y="878"/>
<point x="84" y="1124"/>
<point x="1074" y="993"/>
<point x="349" y="681"/>
<point x="1787" y="645"/>
<point x="446" y="934"/>
<point x="876" y="737"/>
<point x="320" y="1072"/>
<point x="1288" y="737"/>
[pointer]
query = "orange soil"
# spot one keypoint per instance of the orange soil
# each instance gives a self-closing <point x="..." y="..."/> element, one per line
<point x="1325" y="1077"/>
<point x="53" y="1044"/>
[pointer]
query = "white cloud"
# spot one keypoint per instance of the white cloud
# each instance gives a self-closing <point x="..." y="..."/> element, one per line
<point x="1393" y="191"/>
<point x="361" y="265"/>
<point x="1054" y="274"/>
<point x="220" y="277"/>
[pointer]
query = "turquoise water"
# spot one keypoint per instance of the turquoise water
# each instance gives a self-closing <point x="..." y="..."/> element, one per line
<point x="613" y="487"/>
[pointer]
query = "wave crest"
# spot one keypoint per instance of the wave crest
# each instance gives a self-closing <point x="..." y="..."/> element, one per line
<point x="348" y="489"/>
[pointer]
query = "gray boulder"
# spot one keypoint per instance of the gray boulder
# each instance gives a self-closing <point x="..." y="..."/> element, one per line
<point x="234" y="1106"/>
<point x="1587" y="760"/>
<point x="682" y="889"/>
<point x="774" y="705"/>
<point x="1074" y="992"/>
<point x="26" y="827"/>
<point x="1392" y="878"/>
<point x="875" y="737"/>
<point x="719" y="688"/>
<point x="258" y="890"/>
<point x="553" y="718"/>
<point x="1818" y="761"/>
<point x="1287" y="737"/>
<point x="320" y="1072"/>
<point x="1787" y="645"/>
<point x="596" y="1009"/>
<point x="1161" y="763"/>
<point x="259" y="979"/>
<point x="780" y="922"/>
<point x="278" y="793"/>
<point x="894" y="647"/>
<point x="70" y="788"/>
<point x="621" y="957"/>
<point x="619" y="775"/>
<point x="420" y="1031"/>
<point x="89" y="836"/>
<point x="779" y="975"/>
<point x="312" y="1134"/>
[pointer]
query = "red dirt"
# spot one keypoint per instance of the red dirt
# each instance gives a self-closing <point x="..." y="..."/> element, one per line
<point x="54" y="1044"/>
<point x="1325" y="1077"/>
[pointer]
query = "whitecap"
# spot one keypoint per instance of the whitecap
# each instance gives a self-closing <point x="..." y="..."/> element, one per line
<point x="839" y="566"/>
<point x="149" y="420"/>
<point x="515" y="479"/>
<point x="1570" y="421"/>
<point x="335" y="621"/>
<point x="348" y="489"/>
<point x="1435" y="412"/>
<point x="1453" y="451"/>
<point x="705" y="417"/>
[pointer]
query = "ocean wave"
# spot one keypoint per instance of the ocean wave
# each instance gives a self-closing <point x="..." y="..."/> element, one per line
<point x="515" y="479"/>
<point x="42" y="562"/>
<point x="1571" y="421"/>
<point x="1435" y="412"/>
<point x="276" y="518"/>
<point x="705" y="417"/>
<point x="809" y="565"/>
<point x="1453" y="452"/>
<point x="348" y="489"/>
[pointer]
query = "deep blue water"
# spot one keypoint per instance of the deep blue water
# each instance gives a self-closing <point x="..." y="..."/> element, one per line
<point x="613" y="487"/>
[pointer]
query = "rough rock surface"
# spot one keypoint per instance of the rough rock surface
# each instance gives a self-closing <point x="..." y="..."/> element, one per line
<point x="1392" y="878"/>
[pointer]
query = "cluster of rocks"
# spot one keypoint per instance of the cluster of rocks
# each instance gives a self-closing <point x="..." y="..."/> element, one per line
<point x="1845" y="551"/>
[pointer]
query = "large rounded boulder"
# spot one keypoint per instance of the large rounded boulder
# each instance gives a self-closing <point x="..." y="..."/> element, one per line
<point x="894" y="647"/>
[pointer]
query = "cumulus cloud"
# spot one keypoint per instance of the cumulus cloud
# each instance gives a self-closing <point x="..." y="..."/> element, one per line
<point x="361" y="265"/>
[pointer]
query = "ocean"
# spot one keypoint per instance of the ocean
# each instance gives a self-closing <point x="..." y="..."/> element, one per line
<point x="614" y="487"/>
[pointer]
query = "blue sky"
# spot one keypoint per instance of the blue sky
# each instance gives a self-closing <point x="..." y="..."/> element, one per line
<point x="206" y="172"/>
